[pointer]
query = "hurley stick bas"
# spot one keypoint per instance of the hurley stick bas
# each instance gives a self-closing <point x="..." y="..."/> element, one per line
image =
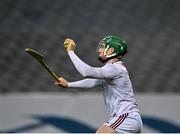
<point x="40" y="58"/>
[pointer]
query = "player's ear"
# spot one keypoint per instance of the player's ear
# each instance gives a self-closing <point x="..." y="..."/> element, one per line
<point x="110" y="50"/>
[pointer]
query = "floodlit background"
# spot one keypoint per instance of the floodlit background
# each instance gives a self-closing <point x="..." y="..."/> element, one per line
<point x="29" y="101"/>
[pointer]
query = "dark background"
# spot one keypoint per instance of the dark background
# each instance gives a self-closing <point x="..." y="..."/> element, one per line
<point x="151" y="28"/>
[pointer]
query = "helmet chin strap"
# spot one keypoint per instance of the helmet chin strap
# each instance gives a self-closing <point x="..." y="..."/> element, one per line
<point x="111" y="55"/>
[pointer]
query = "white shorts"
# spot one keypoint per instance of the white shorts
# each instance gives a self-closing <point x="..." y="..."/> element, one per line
<point x="126" y="123"/>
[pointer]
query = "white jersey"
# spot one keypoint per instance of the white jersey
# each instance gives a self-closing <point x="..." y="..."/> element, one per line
<point x="113" y="78"/>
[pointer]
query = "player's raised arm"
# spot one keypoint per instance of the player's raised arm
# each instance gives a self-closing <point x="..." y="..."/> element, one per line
<point x="84" y="69"/>
<point x="81" y="66"/>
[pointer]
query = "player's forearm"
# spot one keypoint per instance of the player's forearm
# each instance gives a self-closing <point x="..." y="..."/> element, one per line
<point x="85" y="83"/>
<point x="81" y="67"/>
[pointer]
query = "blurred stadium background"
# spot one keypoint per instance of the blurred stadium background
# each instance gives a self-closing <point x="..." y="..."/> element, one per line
<point x="151" y="28"/>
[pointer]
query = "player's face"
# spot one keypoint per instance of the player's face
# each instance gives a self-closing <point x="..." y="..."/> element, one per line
<point x="101" y="52"/>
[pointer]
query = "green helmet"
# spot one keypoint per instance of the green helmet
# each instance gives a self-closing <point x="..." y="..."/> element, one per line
<point x="119" y="45"/>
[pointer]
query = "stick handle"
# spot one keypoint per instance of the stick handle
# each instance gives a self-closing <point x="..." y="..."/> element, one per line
<point x="49" y="71"/>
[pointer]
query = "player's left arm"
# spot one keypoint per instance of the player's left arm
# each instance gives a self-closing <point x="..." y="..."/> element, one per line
<point x="108" y="71"/>
<point x="85" y="83"/>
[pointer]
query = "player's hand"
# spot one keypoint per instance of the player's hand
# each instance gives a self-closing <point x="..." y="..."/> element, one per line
<point x="69" y="44"/>
<point x="62" y="82"/>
